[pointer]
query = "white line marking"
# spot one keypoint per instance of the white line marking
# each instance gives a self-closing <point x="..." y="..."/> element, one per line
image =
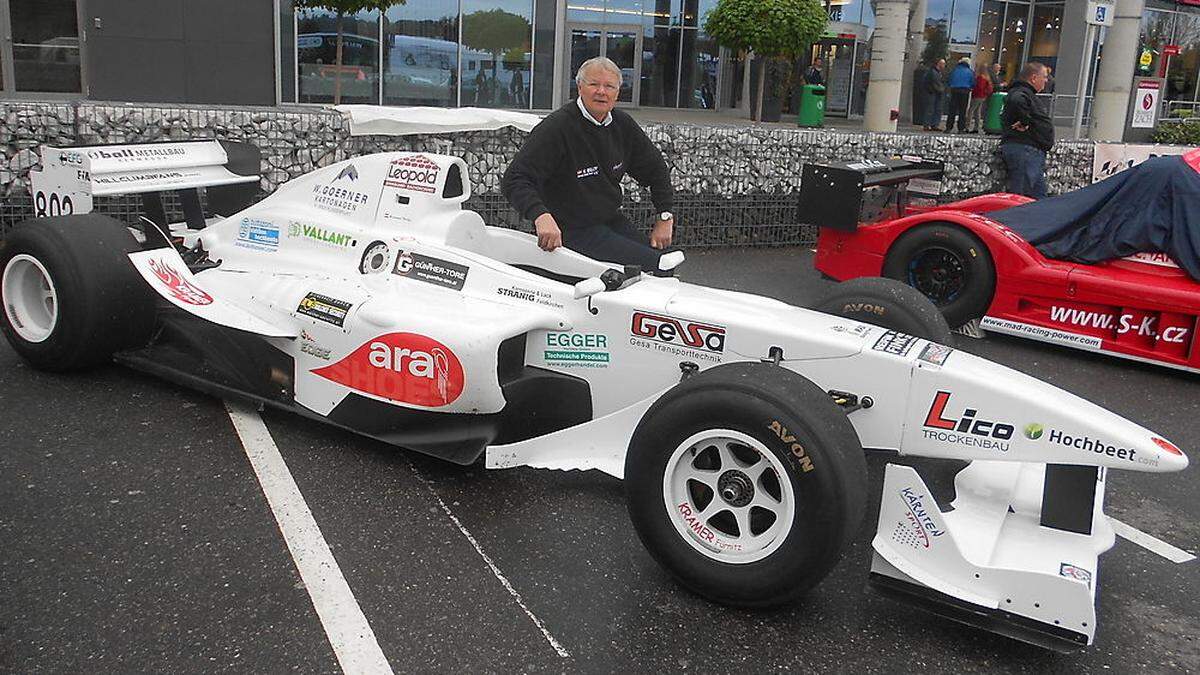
<point x="495" y="570"/>
<point x="1150" y="543"/>
<point x="351" y="636"/>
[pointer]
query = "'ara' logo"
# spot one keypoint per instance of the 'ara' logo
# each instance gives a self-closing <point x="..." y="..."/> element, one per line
<point x="402" y="367"/>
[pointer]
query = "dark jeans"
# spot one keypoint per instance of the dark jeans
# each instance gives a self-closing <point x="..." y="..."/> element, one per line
<point x="933" y="110"/>
<point x="616" y="241"/>
<point x="1026" y="169"/>
<point x="959" y="98"/>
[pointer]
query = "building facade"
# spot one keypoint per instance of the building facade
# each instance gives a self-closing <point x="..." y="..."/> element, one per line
<point x="517" y="54"/>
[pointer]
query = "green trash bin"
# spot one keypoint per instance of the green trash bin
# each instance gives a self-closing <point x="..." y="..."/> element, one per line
<point x="995" y="106"/>
<point x="812" y="106"/>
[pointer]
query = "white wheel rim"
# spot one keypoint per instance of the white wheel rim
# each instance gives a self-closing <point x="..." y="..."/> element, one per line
<point x="30" y="299"/>
<point x="750" y="505"/>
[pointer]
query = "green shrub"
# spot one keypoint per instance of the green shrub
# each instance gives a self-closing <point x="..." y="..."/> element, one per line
<point x="1186" y="132"/>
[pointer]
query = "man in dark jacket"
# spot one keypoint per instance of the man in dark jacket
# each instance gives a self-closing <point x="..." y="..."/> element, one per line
<point x="813" y="74"/>
<point x="1028" y="133"/>
<point x="567" y="176"/>
<point x="934" y="89"/>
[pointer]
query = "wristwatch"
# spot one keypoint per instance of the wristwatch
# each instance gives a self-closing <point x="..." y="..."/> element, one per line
<point x="666" y="215"/>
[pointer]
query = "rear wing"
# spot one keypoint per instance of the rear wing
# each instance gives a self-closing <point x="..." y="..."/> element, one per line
<point x="832" y="195"/>
<point x="71" y="177"/>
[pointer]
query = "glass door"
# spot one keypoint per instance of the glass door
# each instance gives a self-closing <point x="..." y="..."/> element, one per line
<point x="622" y="44"/>
<point x="621" y="47"/>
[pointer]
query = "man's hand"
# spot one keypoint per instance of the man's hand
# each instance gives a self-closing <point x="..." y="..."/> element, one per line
<point x="549" y="236"/>
<point x="1020" y="127"/>
<point x="661" y="233"/>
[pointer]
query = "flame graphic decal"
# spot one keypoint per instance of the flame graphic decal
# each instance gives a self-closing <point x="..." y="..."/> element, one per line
<point x="182" y="289"/>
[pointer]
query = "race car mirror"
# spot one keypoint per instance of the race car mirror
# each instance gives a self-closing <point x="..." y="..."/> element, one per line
<point x="669" y="261"/>
<point x="589" y="287"/>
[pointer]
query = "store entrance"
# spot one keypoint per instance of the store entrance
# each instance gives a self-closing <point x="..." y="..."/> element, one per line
<point x="838" y="55"/>
<point x="622" y="44"/>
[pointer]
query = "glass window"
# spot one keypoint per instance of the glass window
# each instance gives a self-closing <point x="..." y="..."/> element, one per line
<point x="698" y="79"/>
<point x="420" y="54"/>
<point x="990" y="22"/>
<point x="45" y="42"/>
<point x="937" y="30"/>
<point x="965" y="27"/>
<point x="316" y="51"/>
<point x="287" y="52"/>
<point x="499" y="34"/>
<point x="1183" y="68"/>
<point x="543" y="61"/>
<point x="1012" y="46"/>
<point x="1045" y="34"/>
<point x="662" y="12"/>
<point x="660" y="66"/>
<point x="591" y="11"/>
<point x="1155" y="32"/>
<point x="623" y="11"/>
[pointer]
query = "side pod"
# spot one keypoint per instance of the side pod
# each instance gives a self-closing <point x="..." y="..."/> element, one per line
<point x="992" y="561"/>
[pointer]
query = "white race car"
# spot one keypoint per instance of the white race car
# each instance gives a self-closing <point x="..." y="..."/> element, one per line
<point x="365" y="296"/>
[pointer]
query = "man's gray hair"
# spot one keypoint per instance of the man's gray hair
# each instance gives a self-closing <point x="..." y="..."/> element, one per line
<point x="602" y="62"/>
<point x="1032" y="68"/>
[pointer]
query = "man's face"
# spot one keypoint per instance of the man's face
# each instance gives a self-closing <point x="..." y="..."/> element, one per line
<point x="940" y="64"/>
<point x="996" y="68"/>
<point x="1038" y="80"/>
<point x="598" y="91"/>
<point x="817" y="64"/>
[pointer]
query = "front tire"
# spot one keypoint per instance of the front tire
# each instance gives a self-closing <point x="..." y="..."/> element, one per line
<point x="887" y="303"/>
<point x="746" y="482"/>
<point x="948" y="265"/>
<point x="71" y="297"/>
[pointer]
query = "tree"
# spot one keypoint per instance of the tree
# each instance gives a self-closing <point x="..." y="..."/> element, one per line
<point x="341" y="8"/>
<point x="773" y="29"/>
<point x="496" y="31"/>
<point x="937" y="43"/>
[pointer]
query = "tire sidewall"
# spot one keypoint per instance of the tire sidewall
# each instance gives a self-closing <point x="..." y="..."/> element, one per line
<point x="979" y="275"/>
<point x="74" y="298"/>
<point x="812" y="477"/>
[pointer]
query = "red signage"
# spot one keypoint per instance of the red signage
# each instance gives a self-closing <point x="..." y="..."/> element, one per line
<point x="403" y="367"/>
<point x="1171" y="50"/>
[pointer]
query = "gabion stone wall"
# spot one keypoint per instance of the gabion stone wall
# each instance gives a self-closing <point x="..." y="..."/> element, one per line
<point x="735" y="184"/>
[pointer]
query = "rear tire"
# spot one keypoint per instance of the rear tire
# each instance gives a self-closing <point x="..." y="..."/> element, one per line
<point x="948" y="265"/>
<point x="888" y="303"/>
<point x="71" y="296"/>
<point x="746" y="482"/>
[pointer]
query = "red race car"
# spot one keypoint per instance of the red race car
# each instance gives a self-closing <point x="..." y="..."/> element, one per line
<point x="1135" y="297"/>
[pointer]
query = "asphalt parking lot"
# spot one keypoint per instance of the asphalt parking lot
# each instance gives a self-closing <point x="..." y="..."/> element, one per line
<point x="135" y="536"/>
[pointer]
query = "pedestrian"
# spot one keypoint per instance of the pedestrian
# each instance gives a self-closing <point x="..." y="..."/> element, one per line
<point x="566" y="178"/>
<point x="1028" y="133"/>
<point x="1049" y="81"/>
<point x="997" y="79"/>
<point x="962" y="82"/>
<point x="813" y="74"/>
<point x="934" y="89"/>
<point x="516" y="88"/>
<point x="979" y="97"/>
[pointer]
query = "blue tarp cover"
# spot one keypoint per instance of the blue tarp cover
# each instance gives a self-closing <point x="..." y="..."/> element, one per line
<point x="1155" y="207"/>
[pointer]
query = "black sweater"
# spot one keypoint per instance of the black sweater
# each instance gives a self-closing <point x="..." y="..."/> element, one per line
<point x="1022" y="105"/>
<point x="572" y="168"/>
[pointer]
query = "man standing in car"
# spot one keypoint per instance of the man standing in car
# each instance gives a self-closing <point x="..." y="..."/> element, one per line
<point x="1028" y="133"/>
<point x="567" y="176"/>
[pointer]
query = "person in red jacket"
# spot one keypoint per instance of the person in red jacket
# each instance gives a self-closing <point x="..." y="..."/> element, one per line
<point x="979" y="97"/>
